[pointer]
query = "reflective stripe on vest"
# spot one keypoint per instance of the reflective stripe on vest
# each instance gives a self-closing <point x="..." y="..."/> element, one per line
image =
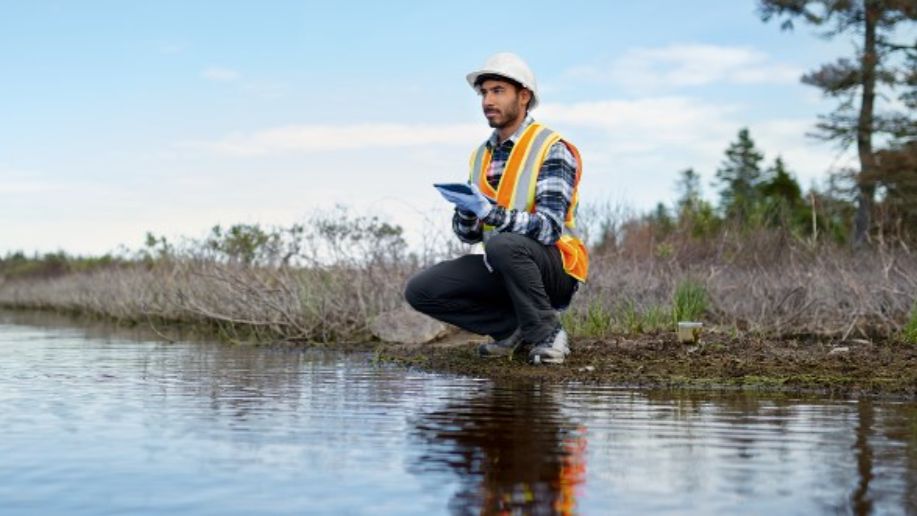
<point x="516" y="189"/>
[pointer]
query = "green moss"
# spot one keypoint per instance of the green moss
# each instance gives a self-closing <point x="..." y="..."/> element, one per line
<point x="909" y="333"/>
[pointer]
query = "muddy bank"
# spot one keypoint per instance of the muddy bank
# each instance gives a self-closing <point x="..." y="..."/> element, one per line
<point x="721" y="361"/>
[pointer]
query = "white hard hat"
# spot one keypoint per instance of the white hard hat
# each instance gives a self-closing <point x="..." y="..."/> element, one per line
<point x="511" y="66"/>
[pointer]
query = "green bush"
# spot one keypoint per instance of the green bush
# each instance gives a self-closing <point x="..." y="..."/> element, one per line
<point x="632" y="320"/>
<point x="689" y="301"/>
<point x="656" y="318"/>
<point x="629" y="318"/>
<point x="910" y="328"/>
<point x="599" y="320"/>
<point x="19" y="265"/>
<point x="596" y="321"/>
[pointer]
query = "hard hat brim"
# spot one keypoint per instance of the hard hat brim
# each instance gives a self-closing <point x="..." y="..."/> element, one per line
<point x="473" y="78"/>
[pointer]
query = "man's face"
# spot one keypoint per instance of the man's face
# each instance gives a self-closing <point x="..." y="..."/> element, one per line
<point x="502" y="102"/>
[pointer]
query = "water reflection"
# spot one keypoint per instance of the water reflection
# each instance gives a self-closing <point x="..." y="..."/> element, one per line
<point x="95" y="420"/>
<point x="512" y="449"/>
<point x="862" y="504"/>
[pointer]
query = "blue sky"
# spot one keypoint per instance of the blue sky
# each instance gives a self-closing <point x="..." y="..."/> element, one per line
<point x="126" y="117"/>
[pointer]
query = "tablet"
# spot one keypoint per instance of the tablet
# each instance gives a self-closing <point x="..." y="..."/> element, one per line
<point x="463" y="188"/>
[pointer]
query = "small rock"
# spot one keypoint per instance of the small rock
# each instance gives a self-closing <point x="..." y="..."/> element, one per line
<point x="587" y="368"/>
<point x="840" y="350"/>
<point x="406" y="326"/>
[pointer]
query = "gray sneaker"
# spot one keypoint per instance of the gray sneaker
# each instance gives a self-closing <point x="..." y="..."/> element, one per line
<point x="552" y="350"/>
<point x="502" y="347"/>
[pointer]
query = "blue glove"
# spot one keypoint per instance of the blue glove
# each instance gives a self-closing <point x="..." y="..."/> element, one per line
<point x="473" y="202"/>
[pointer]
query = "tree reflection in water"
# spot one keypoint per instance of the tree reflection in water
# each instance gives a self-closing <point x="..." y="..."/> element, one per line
<point x="512" y="448"/>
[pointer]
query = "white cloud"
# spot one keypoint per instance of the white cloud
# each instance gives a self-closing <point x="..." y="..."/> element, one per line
<point x="25" y="186"/>
<point x="646" y="140"/>
<point x="684" y="65"/>
<point x="16" y="182"/>
<point x="220" y="74"/>
<point x="317" y="138"/>
<point x="634" y="149"/>
<point x="808" y="159"/>
<point x="646" y="123"/>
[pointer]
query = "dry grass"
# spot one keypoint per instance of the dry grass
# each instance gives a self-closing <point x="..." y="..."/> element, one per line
<point x="325" y="304"/>
<point x="768" y="283"/>
<point x="323" y="281"/>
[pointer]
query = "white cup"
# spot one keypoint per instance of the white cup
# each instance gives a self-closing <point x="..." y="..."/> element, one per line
<point x="689" y="331"/>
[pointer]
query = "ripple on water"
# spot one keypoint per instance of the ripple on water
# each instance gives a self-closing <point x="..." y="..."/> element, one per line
<point x="98" y="422"/>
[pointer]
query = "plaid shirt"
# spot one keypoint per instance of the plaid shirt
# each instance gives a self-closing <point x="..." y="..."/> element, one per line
<point x="553" y="194"/>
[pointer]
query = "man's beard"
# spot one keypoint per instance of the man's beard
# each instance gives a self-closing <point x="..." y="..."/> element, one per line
<point x="510" y="116"/>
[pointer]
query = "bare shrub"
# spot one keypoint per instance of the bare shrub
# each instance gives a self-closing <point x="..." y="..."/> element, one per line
<point x="326" y="279"/>
<point x="767" y="280"/>
<point x="320" y="281"/>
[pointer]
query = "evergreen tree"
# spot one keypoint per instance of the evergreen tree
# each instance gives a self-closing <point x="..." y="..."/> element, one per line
<point x="781" y="199"/>
<point x="739" y="175"/>
<point x="780" y="185"/>
<point x="661" y="220"/>
<point x="847" y="79"/>
<point x="688" y="188"/>
<point x="693" y="213"/>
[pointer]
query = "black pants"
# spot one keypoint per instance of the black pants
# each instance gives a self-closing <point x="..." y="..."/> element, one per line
<point x="527" y="285"/>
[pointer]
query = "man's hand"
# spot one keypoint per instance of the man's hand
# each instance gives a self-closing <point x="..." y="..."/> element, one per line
<point x="475" y="202"/>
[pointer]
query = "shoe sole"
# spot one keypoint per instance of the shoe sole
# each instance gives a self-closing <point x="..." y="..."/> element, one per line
<point x="544" y="359"/>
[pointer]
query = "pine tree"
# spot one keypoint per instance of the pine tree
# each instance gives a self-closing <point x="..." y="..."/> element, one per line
<point x="781" y="198"/>
<point x="846" y="79"/>
<point x="661" y="220"/>
<point x="739" y="175"/>
<point x="688" y="187"/>
<point x="693" y="212"/>
<point x="780" y="185"/>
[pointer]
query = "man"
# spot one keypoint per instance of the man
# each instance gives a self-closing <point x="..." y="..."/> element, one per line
<point x="521" y="205"/>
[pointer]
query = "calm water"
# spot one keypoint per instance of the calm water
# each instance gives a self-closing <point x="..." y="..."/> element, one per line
<point x="94" y="423"/>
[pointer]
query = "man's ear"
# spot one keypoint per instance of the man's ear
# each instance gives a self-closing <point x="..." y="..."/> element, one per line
<point x="525" y="95"/>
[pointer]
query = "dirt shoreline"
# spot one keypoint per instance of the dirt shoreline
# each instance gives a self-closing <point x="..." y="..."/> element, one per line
<point x="719" y="362"/>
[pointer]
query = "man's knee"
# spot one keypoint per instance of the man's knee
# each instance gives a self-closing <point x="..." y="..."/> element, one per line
<point x="502" y="246"/>
<point x="414" y="292"/>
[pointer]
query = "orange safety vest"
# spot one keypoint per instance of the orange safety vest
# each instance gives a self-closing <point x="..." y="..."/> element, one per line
<point x="517" y="189"/>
